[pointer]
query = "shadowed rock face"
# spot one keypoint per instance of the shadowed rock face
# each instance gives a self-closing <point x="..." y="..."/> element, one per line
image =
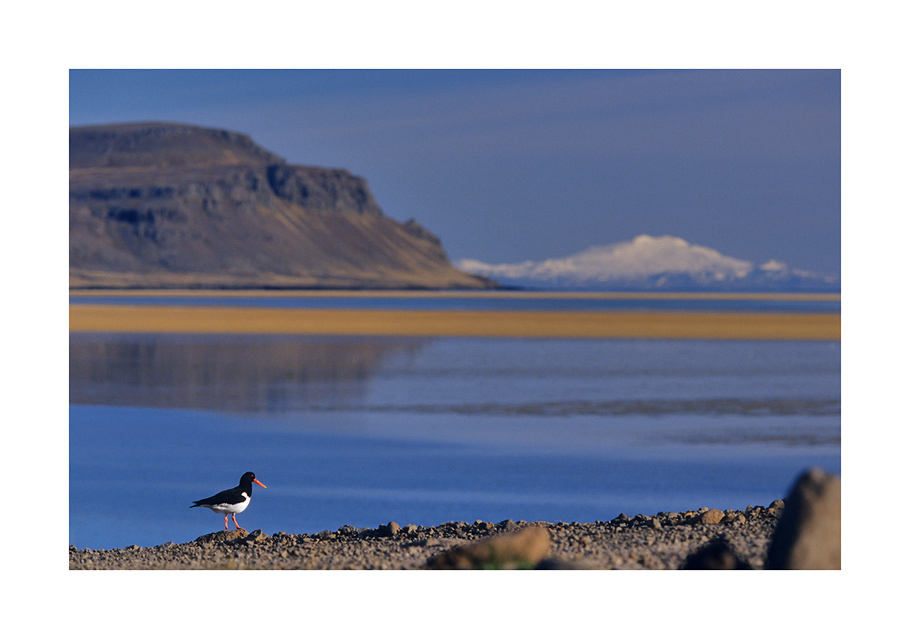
<point x="167" y="205"/>
<point x="809" y="533"/>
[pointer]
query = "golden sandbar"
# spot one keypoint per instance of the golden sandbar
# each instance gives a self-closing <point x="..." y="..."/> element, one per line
<point x="597" y="324"/>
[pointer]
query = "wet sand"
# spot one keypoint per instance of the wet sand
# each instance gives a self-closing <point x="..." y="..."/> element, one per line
<point x="666" y="325"/>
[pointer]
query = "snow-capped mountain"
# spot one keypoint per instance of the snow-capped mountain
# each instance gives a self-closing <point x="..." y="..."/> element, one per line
<point x="646" y="263"/>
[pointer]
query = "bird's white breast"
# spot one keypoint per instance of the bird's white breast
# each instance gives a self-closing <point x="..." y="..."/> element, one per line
<point x="232" y="509"/>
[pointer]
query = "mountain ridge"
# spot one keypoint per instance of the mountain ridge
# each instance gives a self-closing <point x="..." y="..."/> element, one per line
<point x="168" y="205"/>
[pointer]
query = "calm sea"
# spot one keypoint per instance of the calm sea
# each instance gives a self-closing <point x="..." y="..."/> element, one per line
<point x="367" y="430"/>
<point x="491" y="301"/>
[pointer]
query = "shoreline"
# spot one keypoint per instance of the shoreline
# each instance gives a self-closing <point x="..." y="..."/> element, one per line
<point x="665" y="541"/>
<point x="489" y="293"/>
<point x="578" y="324"/>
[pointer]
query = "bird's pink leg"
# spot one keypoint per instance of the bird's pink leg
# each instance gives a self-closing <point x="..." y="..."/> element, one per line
<point x="234" y="517"/>
<point x="225" y="522"/>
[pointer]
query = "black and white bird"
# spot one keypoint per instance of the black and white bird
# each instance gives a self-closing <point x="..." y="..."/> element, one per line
<point x="231" y="501"/>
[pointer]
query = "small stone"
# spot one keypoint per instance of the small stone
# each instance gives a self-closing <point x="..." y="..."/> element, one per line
<point x="777" y="503"/>
<point x="712" y="516"/>
<point x="388" y="530"/>
<point x="508" y="525"/>
<point x="655" y="523"/>
<point x="256" y="536"/>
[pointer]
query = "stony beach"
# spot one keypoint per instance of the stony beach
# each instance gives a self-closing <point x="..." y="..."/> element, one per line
<point x="664" y="541"/>
<point x="802" y="532"/>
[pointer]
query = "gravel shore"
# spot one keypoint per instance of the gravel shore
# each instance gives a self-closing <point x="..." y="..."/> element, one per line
<point x="664" y="541"/>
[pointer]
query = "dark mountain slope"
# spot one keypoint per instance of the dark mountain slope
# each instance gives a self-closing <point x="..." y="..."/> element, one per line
<point x="168" y="205"/>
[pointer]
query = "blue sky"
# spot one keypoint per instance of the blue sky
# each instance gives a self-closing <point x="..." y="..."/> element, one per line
<point x="512" y="165"/>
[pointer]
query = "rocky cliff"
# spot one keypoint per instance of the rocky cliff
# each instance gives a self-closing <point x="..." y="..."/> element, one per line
<point x="169" y="205"/>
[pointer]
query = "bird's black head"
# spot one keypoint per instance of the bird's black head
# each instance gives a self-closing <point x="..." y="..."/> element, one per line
<point x="247" y="481"/>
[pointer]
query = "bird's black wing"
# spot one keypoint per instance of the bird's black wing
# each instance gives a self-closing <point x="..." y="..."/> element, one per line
<point x="221" y="498"/>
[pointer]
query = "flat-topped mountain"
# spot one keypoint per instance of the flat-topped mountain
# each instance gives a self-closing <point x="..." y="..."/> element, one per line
<point x="169" y="205"/>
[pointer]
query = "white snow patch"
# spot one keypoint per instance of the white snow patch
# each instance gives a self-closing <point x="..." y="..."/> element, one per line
<point x="645" y="256"/>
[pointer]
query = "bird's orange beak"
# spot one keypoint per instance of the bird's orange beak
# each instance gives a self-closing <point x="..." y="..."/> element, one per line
<point x="260" y="483"/>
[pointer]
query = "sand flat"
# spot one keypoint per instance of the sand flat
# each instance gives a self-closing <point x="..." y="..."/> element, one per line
<point x="597" y="324"/>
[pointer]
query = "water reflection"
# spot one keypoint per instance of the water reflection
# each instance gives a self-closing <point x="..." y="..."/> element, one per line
<point x="366" y="430"/>
<point x="247" y="373"/>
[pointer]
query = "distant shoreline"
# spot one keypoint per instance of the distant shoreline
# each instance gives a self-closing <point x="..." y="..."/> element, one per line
<point x="569" y="324"/>
<point x="489" y="293"/>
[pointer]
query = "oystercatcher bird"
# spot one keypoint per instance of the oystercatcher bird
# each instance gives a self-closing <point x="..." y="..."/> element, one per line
<point x="231" y="501"/>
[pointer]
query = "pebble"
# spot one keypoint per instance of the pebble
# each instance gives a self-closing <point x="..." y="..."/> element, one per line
<point x="712" y="516"/>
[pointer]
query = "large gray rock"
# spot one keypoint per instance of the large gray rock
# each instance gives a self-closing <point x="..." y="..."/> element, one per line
<point x="808" y="533"/>
<point x="524" y="548"/>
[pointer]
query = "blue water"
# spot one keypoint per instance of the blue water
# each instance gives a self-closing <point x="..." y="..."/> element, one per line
<point x="483" y="302"/>
<point x="363" y="431"/>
